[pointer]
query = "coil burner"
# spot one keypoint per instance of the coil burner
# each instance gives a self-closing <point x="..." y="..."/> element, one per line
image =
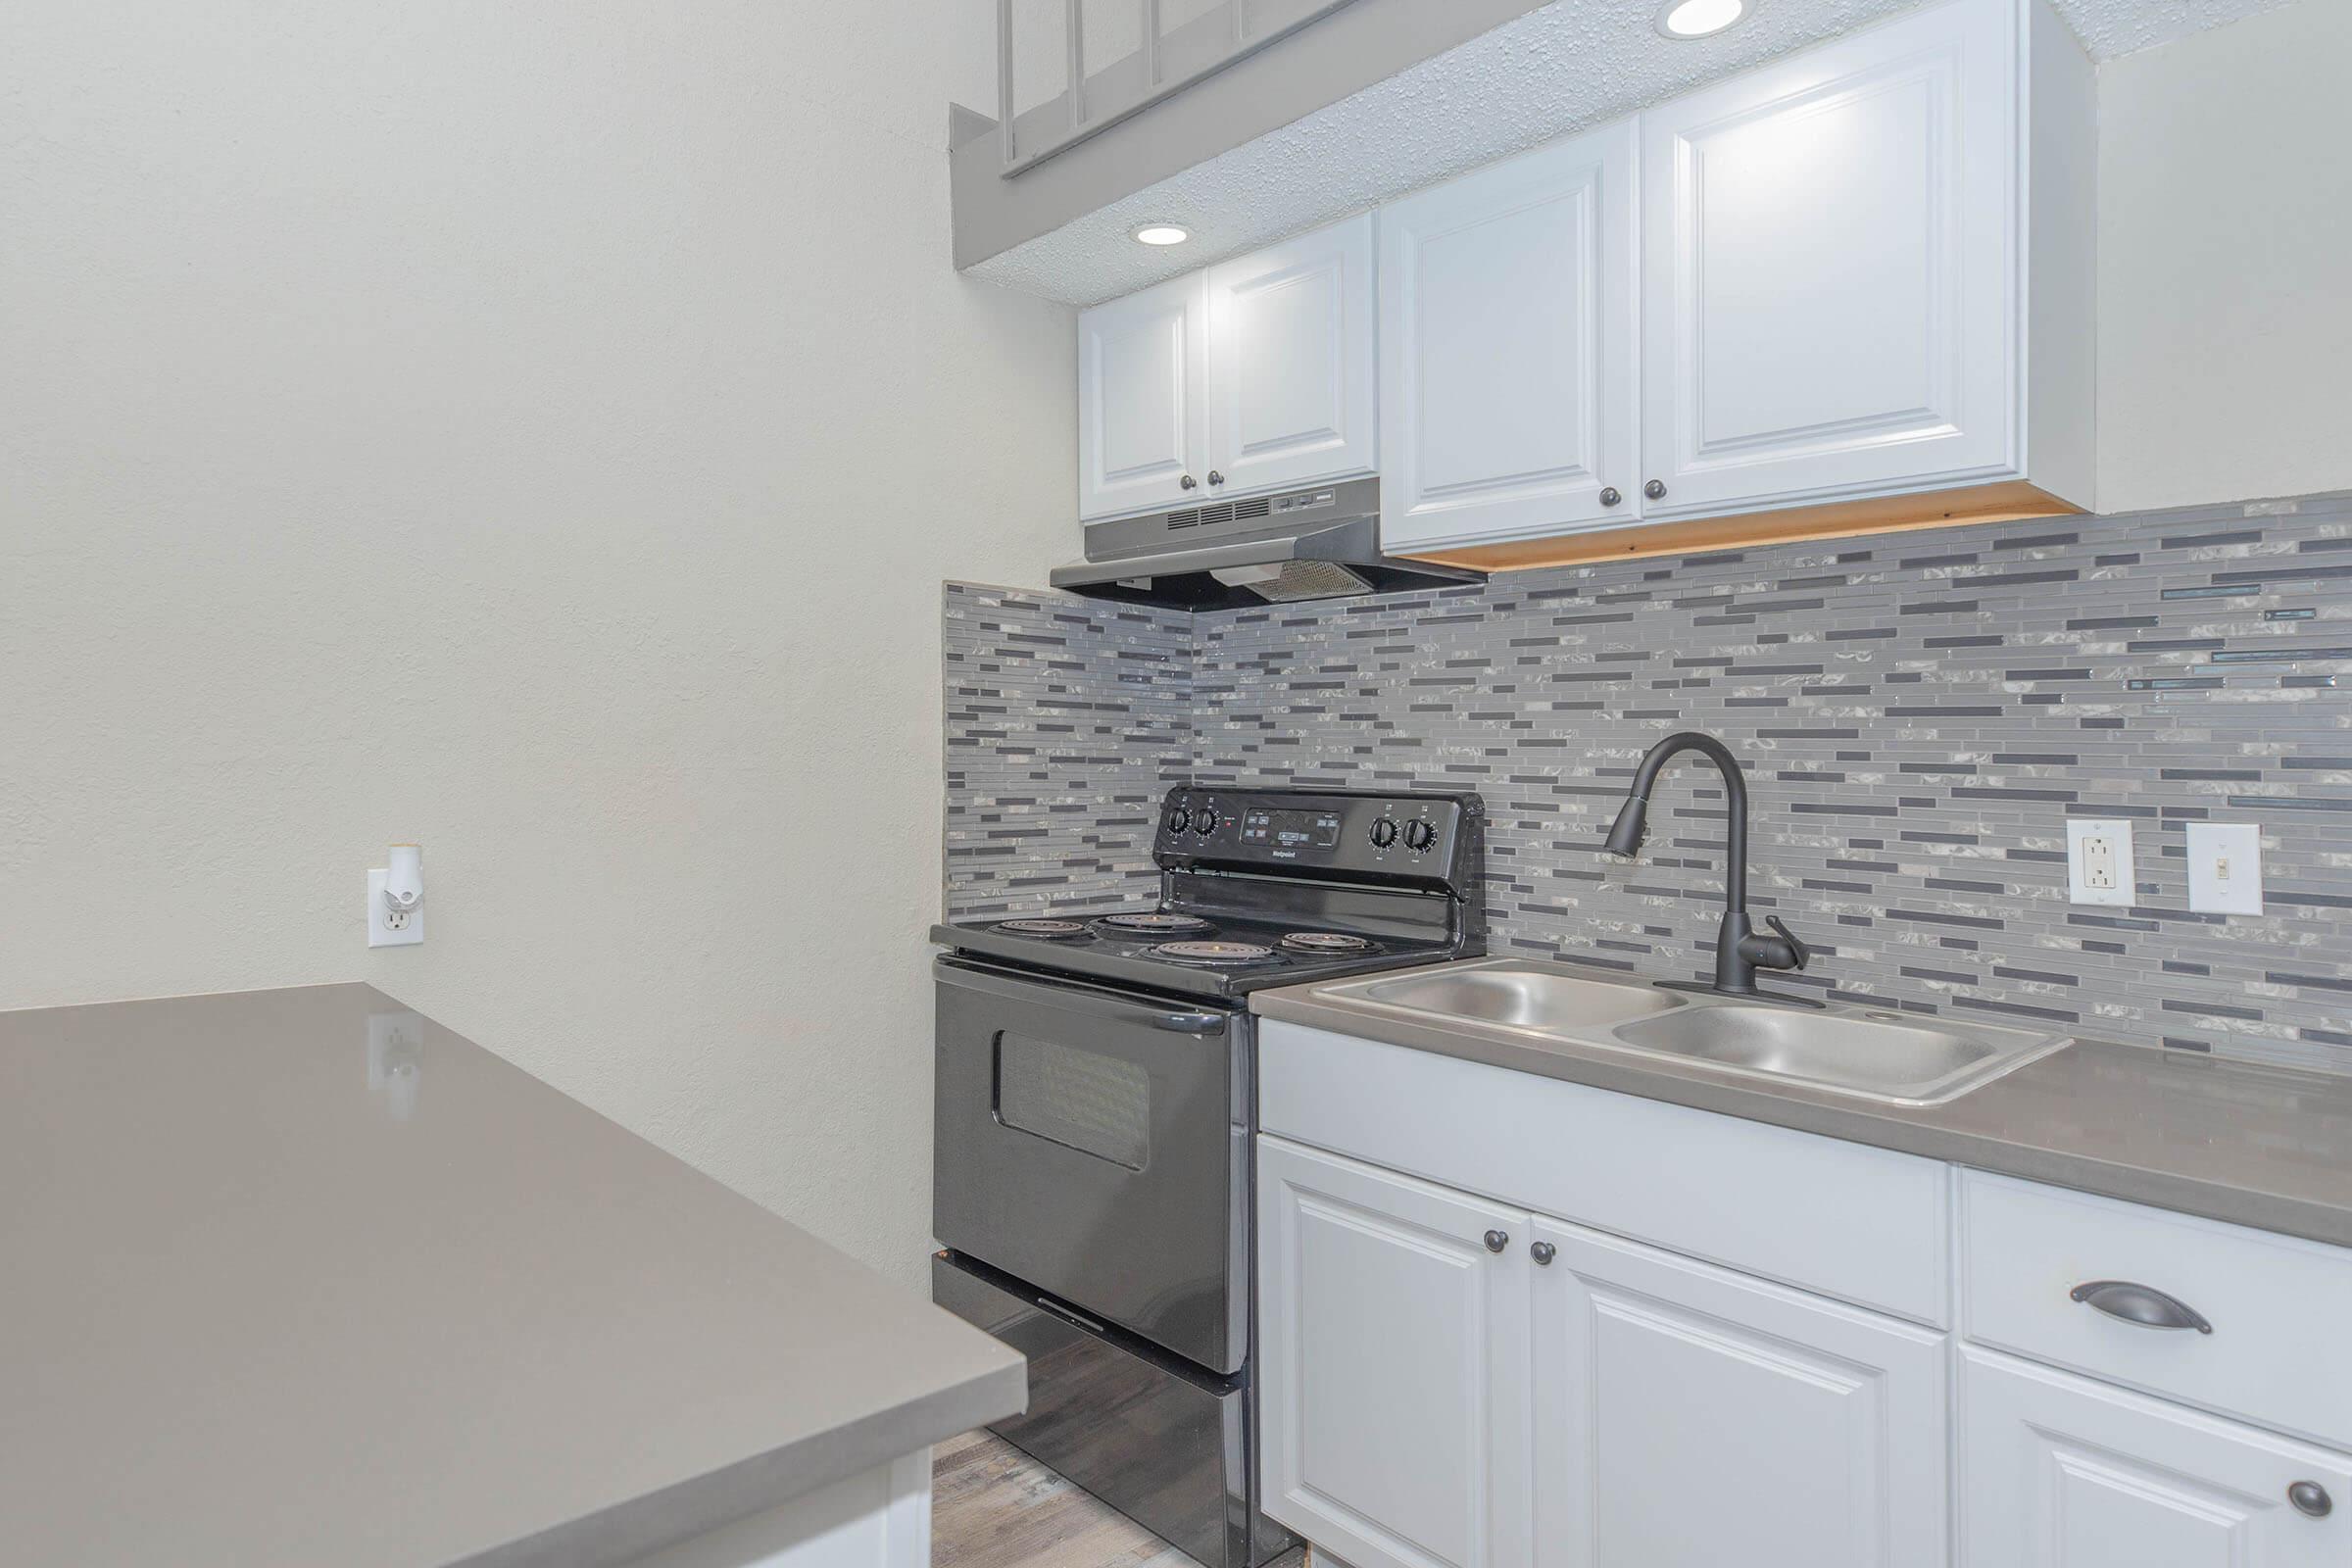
<point x="1223" y="953"/>
<point x="1161" y="924"/>
<point x="1330" y="943"/>
<point x="1044" y="930"/>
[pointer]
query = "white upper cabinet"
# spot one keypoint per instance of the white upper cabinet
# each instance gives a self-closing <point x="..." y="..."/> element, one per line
<point x="1253" y="376"/>
<point x="1291" y="394"/>
<point x="1830" y="305"/>
<point x="1508" y="340"/>
<point x="1850" y="290"/>
<point x="1142" y="364"/>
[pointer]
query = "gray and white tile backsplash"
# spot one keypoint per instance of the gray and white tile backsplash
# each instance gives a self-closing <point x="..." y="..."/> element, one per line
<point x="1920" y="714"/>
<point x="1067" y="720"/>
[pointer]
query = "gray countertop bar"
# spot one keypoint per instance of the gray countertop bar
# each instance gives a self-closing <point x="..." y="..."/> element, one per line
<point x="301" y="1277"/>
<point x="2231" y="1141"/>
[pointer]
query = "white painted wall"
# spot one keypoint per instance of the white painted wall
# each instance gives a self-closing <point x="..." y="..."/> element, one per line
<point x="2225" y="263"/>
<point x="538" y="429"/>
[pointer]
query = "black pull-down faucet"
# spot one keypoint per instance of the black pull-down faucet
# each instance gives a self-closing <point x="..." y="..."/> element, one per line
<point x="1738" y="951"/>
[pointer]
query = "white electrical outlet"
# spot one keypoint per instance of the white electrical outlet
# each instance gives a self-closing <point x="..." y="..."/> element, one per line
<point x="2225" y="867"/>
<point x="384" y="928"/>
<point x="2098" y="861"/>
<point x="396" y="1060"/>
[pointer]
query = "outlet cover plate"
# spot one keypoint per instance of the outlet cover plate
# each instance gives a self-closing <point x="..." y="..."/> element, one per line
<point x="380" y="934"/>
<point x="2098" y="861"/>
<point x="2225" y="867"/>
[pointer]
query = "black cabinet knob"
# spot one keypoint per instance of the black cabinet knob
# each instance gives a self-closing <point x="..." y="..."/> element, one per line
<point x="1655" y="489"/>
<point x="2311" y="1498"/>
<point x="1497" y="1240"/>
<point x="1542" y="1252"/>
<point x="1187" y="482"/>
<point x="1611" y="496"/>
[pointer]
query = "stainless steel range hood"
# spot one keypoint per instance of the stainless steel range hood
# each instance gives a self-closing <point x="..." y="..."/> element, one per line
<point x="1318" y="543"/>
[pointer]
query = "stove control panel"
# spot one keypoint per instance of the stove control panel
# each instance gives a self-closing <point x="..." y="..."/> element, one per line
<point x="1415" y="836"/>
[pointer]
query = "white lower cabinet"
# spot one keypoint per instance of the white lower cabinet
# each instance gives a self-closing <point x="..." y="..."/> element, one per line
<point x="1394" y="1350"/>
<point x="2061" y="1472"/>
<point x="1449" y="1381"/>
<point x="1687" y="1416"/>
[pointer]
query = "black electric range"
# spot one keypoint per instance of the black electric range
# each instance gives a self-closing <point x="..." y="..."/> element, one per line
<point x="1094" y="1111"/>
<point x="1269" y="887"/>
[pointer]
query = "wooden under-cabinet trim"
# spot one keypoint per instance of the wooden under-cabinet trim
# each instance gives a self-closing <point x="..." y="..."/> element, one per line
<point x="1837" y="519"/>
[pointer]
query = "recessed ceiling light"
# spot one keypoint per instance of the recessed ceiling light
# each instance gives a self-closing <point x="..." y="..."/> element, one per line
<point x="1160" y="232"/>
<point x="1696" y="19"/>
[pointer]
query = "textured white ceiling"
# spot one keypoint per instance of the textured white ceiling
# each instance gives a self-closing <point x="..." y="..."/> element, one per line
<point x="2111" y="28"/>
<point x="1569" y="64"/>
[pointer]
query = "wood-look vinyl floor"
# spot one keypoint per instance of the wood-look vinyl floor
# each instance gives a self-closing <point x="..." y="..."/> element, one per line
<point x="993" y="1506"/>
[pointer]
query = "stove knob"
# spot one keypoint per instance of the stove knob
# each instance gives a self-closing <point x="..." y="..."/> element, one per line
<point x="1383" y="833"/>
<point x="1179" y="819"/>
<point x="1419" y="836"/>
<point x="1204" y="821"/>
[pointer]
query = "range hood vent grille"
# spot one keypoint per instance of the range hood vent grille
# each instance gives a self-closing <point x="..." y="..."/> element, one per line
<point x="1321" y="542"/>
<point x="1223" y="511"/>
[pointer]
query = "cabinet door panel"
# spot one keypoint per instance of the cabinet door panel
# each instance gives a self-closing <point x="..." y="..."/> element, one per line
<point x="1508" y="345"/>
<point x="2060" y="1471"/>
<point x="1688" y="1417"/>
<point x="1291" y="352"/>
<point x="1828" y="271"/>
<point x="1142" y="365"/>
<point x="1392" y="1365"/>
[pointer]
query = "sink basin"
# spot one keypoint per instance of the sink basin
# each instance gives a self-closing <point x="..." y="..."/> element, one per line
<point x="1891" y="1057"/>
<point x="1522" y="998"/>
<point x="1903" y="1063"/>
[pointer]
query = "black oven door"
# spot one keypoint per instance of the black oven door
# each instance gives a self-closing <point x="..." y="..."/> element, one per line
<point x="1095" y="1142"/>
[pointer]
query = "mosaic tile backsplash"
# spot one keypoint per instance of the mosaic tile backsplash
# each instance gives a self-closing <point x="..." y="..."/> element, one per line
<point x="1919" y="714"/>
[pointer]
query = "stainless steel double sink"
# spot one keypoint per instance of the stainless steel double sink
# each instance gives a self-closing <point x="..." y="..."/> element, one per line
<point x="1871" y="1054"/>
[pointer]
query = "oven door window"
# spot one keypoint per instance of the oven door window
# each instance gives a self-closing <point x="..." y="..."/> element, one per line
<point x="1079" y="1099"/>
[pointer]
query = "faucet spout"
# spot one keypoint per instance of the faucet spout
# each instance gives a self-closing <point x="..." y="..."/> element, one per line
<point x="1735" y="784"/>
<point x="1738" y="951"/>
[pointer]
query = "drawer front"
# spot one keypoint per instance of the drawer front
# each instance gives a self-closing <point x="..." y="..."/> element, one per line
<point x="1863" y="1225"/>
<point x="2274" y="1305"/>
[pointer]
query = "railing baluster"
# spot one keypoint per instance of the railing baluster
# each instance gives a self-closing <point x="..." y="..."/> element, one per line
<point x="1077" y="42"/>
<point x="1004" y="76"/>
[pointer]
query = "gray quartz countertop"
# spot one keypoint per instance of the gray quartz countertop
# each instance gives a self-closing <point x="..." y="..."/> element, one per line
<point x="301" y="1277"/>
<point x="2231" y="1141"/>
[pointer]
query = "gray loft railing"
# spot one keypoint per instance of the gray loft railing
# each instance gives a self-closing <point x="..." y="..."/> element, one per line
<point x="1069" y="69"/>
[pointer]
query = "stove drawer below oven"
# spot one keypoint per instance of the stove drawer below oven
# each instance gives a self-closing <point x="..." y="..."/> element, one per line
<point x="1096" y="1143"/>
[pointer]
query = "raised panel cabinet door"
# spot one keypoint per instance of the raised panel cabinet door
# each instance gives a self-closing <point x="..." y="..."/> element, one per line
<point x="1143" y="367"/>
<point x="1392" y="1351"/>
<point x="1291" y="390"/>
<point x="1509" y="335"/>
<point x="1830" y="294"/>
<point x="2060" y="1471"/>
<point x="1687" y="1416"/>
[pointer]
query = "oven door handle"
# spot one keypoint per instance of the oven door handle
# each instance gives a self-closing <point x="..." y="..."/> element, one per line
<point x="1077" y="996"/>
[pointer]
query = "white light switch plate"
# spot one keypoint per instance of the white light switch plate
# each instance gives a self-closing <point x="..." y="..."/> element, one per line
<point x="2225" y="867"/>
<point x="2098" y="861"/>
<point x="381" y="933"/>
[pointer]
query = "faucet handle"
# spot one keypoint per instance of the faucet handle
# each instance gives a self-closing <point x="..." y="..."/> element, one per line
<point x="1796" y="945"/>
